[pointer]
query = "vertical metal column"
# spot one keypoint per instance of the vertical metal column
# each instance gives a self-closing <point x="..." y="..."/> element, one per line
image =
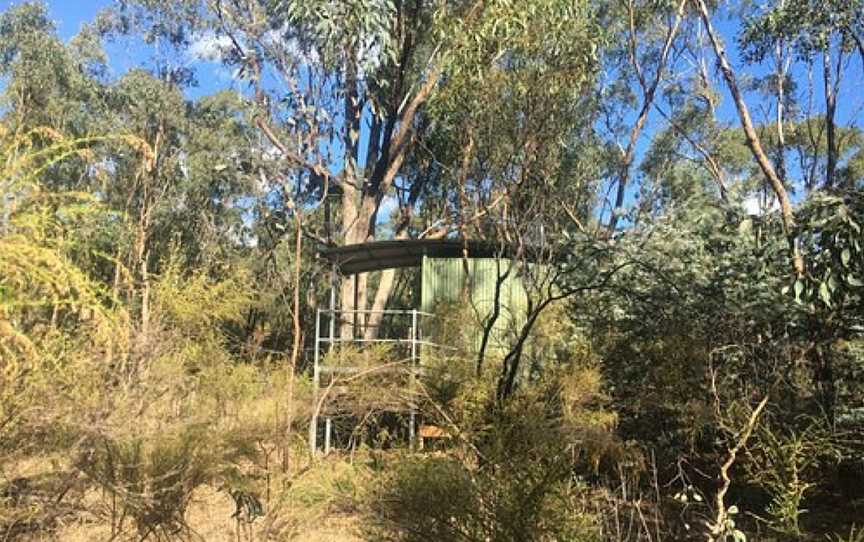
<point x="332" y="330"/>
<point x="316" y="376"/>
<point x="354" y="320"/>
<point x="412" y="416"/>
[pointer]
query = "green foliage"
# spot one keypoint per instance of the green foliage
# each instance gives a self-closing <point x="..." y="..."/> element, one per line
<point x="539" y="48"/>
<point x="148" y="418"/>
<point x="198" y="304"/>
<point x="831" y="231"/>
<point x="362" y="28"/>
<point x="440" y="498"/>
<point x="808" y="25"/>
<point x="147" y="278"/>
<point x="787" y="464"/>
<point x="519" y="470"/>
<point x="514" y="104"/>
<point x="46" y="297"/>
<point x="46" y="77"/>
<point x="679" y="309"/>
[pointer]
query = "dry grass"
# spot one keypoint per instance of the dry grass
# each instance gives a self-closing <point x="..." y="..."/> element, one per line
<point x="210" y="519"/>
<point x="317" y="507"/>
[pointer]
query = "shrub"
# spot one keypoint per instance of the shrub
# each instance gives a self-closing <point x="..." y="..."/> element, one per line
<point x="516" y="472"/>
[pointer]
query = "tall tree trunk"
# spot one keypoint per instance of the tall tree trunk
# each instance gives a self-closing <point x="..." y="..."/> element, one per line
<point x="296" y="343"/>
<point x="753" y="142"/>
<point x="359" y="220"/>
<point x="830" y="112"/>
<point x="649" y="90"/>
<point x="382" y="296"/>
<point x="350" y="228"/>
<point x="780" y="58"/>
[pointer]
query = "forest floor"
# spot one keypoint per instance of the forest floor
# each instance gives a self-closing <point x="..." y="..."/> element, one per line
<point x="209" y="517"/>
<point x="319" y="504"/>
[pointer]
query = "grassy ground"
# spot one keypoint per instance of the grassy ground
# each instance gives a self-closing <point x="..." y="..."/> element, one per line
<point x="316" y="506"/>
<point x="210" y="519"/>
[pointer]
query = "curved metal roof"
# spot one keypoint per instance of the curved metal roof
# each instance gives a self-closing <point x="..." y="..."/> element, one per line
<point x="378" y="255"/>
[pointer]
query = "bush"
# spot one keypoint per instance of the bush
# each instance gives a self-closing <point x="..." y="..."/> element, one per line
<point x="151" y="481"/>
<point x="517" y="471"/>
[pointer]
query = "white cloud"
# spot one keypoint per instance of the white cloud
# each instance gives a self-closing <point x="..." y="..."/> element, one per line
<point x="755" y="206"/>
<point x="209" y="47"/>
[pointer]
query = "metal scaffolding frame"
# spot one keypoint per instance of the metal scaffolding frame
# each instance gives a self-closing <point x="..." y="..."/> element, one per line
<point x="330" y="341"/>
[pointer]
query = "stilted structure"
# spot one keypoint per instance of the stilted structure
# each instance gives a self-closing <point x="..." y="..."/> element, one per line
<point x="448" y="269"/>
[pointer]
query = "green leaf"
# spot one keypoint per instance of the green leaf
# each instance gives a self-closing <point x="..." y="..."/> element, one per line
<point x="824" y="293"/>
<point x="799" y="287"/>
<point x="845" y="256"/>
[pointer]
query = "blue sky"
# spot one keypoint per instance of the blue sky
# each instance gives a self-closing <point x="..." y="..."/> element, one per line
<point x="69" y="15"/>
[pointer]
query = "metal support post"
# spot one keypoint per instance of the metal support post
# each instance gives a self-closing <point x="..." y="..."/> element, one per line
<point x="412" y="416"/>
<point x="332" y="330"/>
<point x="316" y="377"/>
<point x="356" y="312"/>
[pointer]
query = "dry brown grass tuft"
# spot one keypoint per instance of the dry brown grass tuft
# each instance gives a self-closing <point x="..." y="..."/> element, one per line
<point x="209" y="517"/>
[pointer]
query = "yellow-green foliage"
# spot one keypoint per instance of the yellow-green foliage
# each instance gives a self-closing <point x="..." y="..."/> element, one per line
<point x="455" y="327"/>
<point x="53" y="319"/>
<point x="511" y="471"/>
<point x="196" y="303"/>
<point x="786" y="463"/>
<point x="37" y="234"/>
<point x="332" y="488"/>
<point x="556" y="340"/>
<point x="148" y="415"/>
<point x="191" y="414"/>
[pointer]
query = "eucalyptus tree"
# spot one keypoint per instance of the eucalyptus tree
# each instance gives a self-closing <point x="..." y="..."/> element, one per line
<point x="169" y="178"/>
<point x="337" y="88"/>
<point x="826" y="30"/>
<point x="48" y="83"/>
<point x="163" y="30"/>
<point x="515" y="113"/>
<point x="342" y="91"/>
<point x="637" y="66"/>
<point x="800" y="33"/>
<point x="807" y="28"/>
<point x="512" y="147"/>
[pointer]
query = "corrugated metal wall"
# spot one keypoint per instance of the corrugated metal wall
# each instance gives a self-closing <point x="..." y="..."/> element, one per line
<point x="444" y="281"/>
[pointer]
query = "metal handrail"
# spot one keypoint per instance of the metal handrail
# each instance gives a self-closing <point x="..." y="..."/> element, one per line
<point x="371" y="311"/>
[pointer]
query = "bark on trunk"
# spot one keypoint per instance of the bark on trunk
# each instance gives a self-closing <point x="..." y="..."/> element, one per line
<point x="360" y="209"/>
<point x="830" y="111"/>
<point x="753" y="142"/>
<point x="382" y="296"/>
